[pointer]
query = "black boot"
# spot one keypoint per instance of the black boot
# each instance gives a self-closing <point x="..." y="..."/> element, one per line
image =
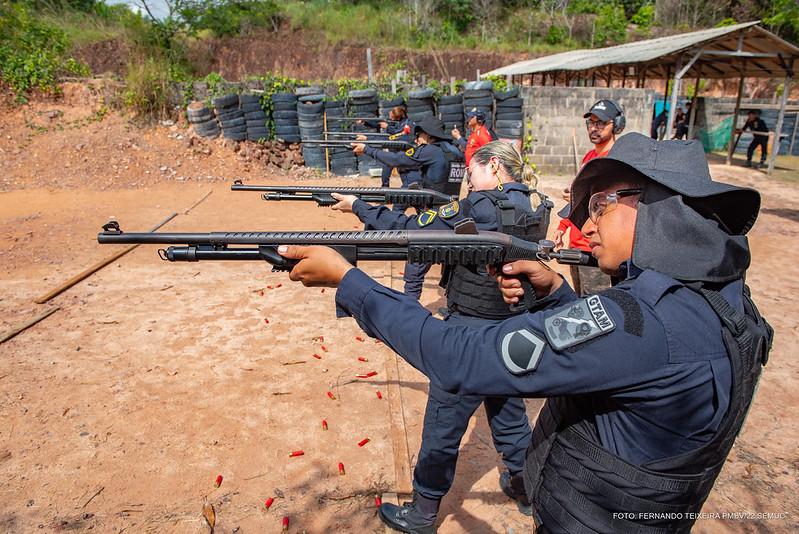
<point x="416" y="517"/>
<point x="748" y="163"/>
<point x="513" y="487"/>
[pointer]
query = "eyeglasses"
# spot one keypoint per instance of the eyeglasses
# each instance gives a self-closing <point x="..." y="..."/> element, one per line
<point x="601" y="203"/>
<point x="596" y="125"/>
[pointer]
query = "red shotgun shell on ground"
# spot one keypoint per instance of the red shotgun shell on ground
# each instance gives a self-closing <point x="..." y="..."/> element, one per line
<point x="296" y="453"/>
<point x="269" y="502"/>
<point x="363" y="442"/>
<point x="340" y="468"/>
<point x="218" y="481"/>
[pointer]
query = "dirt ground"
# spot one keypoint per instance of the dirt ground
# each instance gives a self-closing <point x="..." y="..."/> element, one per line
<point x="119" y="411"/>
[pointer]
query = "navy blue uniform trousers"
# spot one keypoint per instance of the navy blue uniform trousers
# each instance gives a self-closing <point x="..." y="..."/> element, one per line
<point x="446" y="419"/>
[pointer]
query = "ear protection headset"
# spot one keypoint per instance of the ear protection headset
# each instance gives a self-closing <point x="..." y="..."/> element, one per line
<point x="619" y="121"/>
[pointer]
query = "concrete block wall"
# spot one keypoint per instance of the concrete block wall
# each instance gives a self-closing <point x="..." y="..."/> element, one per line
<point x="552" y="114"/>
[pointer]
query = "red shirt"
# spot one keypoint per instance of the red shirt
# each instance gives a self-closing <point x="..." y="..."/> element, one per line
<point x="478" y="138"/>
<point x="576" y="237"/>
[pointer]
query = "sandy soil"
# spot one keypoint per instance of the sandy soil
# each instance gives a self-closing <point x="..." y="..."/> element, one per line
<point x="118" y="412"/>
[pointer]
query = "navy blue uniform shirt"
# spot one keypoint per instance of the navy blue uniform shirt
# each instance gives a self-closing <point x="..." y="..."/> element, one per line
<point x="429" y="159"/>
<point x="656" y="382"/>
<point x="476" y="205"/>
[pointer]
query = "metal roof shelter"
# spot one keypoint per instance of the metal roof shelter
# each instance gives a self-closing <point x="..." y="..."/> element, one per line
<point x="739" y="51"/>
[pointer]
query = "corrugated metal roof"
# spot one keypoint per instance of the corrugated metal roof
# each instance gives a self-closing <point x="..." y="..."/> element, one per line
<point x="639" y="51"/>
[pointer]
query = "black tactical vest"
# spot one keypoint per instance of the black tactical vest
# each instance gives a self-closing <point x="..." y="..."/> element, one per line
<point x="472" y="293"/>
<point x="567" y="469"/>
<point x="457" y="169"/>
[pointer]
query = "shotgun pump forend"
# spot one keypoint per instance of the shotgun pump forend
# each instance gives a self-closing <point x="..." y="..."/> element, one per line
<point x="417" y="198"/>
<point x="464" y="246"/>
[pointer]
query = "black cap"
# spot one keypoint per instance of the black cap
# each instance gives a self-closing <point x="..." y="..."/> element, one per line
<point x="604" y="110"/>
<point x="479" y="114"/>
<point x="431" y="126"/>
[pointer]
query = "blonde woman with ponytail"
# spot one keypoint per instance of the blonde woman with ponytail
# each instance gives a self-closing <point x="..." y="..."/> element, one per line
<point x="502" y="198"/>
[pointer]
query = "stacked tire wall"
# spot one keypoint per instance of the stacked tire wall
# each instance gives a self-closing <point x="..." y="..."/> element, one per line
<point x="364" y="103"/>
<point x="284" y="116"/>
<point x="310" y="120"/>
<point x="230" y="117"/>
<point x="509" y="116"/>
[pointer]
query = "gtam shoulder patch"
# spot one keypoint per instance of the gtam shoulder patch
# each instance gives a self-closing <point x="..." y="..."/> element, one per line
<point x="409" y="152"/>
<point x="393" y="137"/>
<point x="521" y="351"/>
<point x="577" y="322"/>
<point x="426" y="217"/>
<point x="450" y="210"/>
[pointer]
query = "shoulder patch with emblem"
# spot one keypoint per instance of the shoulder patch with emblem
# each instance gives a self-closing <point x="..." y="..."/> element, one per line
<point x="521" y="351"/>
<point x="578" y="322"/>
<point x="409" y="152"/>
<point x="393" y="137"/>
<point x="450" y="210"/>
<point x="426" y="217"/>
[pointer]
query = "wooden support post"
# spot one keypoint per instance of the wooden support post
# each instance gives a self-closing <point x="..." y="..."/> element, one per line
<point x="734" y="126"/>
<point x="675" y="92"/>
<point x="452" y="85"/>
<point x="369" y="70"/>
<point x="692" y="116"/>
<point x="775" y="148"/>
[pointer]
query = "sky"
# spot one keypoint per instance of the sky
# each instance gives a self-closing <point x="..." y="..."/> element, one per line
<point x="158" y="7"/>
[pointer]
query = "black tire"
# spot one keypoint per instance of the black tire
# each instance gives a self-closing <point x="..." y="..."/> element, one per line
<point x="229" y="115"/>
<point x="362" y="93"/>
<point x="477" y="94"/>
<point x="420" y="115"/>
<point x="227" y="101"/>
<point x="319" y="123"/>
<point x="284" y="106"/>
<point x="416" y="102"/>
<point x="515" y="116"/>
<point x="509" y="124"/>
<point x="311" y="98"/>
<point x="232" y="123"/>
<point x="196" y="119"/>
<point x="209" y="133"/>
<point x="311" y="90"/>
<point x="255" y="116"/>
<point x="306" y="134"/>
<point x="285" y="114"/>
<point x="504" y="95"/>
<point x="311" y="107"/>
<point x="514" y="102"/>
<point x="282" y="131"/>
<point x="448" y="100"/>
<point x="250" y="107"/>
<point x="450" y="108"/>
<point x="392" y="102"/>
<point x="421" y="93"/>
<point x="249" y="99"/>
<point x="334" y="104"/>
<point x="285" y="123"/>
<point x="486" y="101"/>
<point x="451" y="117"/>
<point x="420" y="109"/>
<point x="256" y="124"/>
<point x="511" y="133"/>
<point x="481" y="85"/>
<point x="283" y="97"/>
<point x="206" y="128"/>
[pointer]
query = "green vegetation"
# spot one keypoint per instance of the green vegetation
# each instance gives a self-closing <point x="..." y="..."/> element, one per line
<point x="32" y="54"/>
<point x="37" y="36"/>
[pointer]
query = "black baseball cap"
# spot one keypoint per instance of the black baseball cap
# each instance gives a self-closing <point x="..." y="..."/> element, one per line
<point x="604" y="110"/>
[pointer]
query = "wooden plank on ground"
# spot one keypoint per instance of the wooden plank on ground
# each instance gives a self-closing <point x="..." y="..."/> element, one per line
<point x="27" y="324"/>
<point x="398" y="434"/>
